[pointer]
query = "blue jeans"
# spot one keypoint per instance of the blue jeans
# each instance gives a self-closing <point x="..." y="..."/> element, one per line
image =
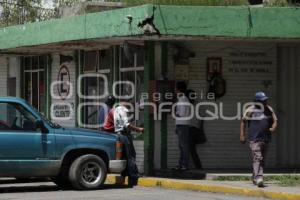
<point x="183" y="134"/>
<point x="130" y="154"/>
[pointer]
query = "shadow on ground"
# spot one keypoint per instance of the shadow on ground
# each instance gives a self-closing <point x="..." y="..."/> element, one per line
<point x="42" y="185"/>
<point x="22" y="180"/>
<point x="176" y="174"/>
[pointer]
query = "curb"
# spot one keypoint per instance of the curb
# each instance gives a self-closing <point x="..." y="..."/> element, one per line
<point x="180" y="185"/>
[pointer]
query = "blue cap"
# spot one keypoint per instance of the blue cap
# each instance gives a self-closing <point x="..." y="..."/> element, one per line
<point x="260" y="96"/>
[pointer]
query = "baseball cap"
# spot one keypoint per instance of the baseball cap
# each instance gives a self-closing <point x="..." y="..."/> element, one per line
<point x="260" y="96"/>
<point x="110" y="100"/>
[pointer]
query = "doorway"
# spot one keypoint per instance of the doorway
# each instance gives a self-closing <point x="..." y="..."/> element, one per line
<point x="288" y="106"/>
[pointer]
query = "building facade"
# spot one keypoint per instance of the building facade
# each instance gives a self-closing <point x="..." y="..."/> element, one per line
<point x="65" y="67"/>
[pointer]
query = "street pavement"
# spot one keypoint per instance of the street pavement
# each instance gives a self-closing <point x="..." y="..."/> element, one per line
<point x="10" y="190"/>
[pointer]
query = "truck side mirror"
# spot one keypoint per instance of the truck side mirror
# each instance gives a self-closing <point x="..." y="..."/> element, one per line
<point x="40" y="125"/>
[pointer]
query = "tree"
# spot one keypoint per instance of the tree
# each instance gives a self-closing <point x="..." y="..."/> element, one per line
<point x="14" y="12"/>
<point x="58" y="3"/>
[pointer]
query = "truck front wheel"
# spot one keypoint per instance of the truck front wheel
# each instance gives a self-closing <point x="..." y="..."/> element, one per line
<point x="87" y="172"/>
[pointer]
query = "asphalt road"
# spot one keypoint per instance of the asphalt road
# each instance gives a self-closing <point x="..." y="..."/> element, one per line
<point x="10" y="190"/>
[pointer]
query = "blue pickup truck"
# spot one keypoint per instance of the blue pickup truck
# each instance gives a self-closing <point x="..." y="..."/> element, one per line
<point x="32" y="146"/>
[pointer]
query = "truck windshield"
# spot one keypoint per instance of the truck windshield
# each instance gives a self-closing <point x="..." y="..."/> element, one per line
<point x="53" y="125"/>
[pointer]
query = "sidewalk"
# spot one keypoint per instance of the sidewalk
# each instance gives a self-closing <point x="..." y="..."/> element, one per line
<point x="230" y="187"/>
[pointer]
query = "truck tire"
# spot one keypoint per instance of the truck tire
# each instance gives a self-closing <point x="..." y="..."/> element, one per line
<point x="88" y="172"/>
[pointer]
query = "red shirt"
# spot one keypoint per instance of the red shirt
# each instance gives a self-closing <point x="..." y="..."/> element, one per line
<point x="109" y="125"/>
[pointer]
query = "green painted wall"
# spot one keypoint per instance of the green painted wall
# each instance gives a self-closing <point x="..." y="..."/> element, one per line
<point x="276" y="22"/>
<point x="202" y="21"/>
<point x="228" y="21"/>
<point x="42" y="32"/>
<point x="206" y="21"/>
<point x="95" y="25"/>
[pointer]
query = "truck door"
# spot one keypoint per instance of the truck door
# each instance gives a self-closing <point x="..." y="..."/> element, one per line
<point x="24" y="150"/>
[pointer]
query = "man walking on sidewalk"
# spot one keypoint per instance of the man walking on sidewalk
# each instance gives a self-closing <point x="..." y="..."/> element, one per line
<point x="261" y="122"/>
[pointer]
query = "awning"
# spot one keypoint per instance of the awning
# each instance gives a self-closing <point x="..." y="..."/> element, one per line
<point x="97" y="30"/>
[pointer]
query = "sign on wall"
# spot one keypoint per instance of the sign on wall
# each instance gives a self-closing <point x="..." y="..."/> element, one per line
<point x="63" y="77"/>
<point x="62" y="91"/>
<point x="214" y="67"/>
<point x="250" y="62"/>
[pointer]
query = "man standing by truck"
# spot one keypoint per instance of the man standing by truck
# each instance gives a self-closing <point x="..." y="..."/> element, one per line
<point x="261" y="121"/>
<point x="105" y="108"/>
<point x="117" y="121"/>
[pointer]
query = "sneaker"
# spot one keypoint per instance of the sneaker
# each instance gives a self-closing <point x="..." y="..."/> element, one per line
<point x="176" y="168"/>
<point x="132" y="181"/>
<point x="180" y="168"/>
<point x="183" y="169"/>
<point x="260" y="182"/>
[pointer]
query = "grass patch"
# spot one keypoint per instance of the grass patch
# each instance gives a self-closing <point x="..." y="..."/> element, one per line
<point x="284" y="180"/>
<point x="232" y="178"/>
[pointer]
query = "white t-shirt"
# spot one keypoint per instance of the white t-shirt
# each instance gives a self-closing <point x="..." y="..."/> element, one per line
<point x="183" y="111"/>
<point x="121" y="120"/>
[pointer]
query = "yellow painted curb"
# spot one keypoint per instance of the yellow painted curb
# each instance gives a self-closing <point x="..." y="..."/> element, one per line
<point x="179" y="185"/>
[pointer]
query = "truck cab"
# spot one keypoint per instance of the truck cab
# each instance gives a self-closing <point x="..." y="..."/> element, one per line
<point x="32" y="146"/>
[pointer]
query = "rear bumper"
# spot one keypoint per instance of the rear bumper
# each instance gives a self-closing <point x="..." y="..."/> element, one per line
<point x="117" y="166"/>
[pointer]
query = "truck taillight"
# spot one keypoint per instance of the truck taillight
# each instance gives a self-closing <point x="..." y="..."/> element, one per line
<point x="119" y="147"/>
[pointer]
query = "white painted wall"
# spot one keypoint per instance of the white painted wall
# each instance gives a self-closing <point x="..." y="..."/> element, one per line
<point x="3" y="75"/>
<point x="14" y="71"/>
<point x="54" y="76"/>
<point x="223" y="149"/>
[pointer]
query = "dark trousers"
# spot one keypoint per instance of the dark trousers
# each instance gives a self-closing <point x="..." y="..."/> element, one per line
<point x="183" y="134"/>
<point x="130" y="155"/>
<point x="259" y="151"/>
<point x="194" y="154"/>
